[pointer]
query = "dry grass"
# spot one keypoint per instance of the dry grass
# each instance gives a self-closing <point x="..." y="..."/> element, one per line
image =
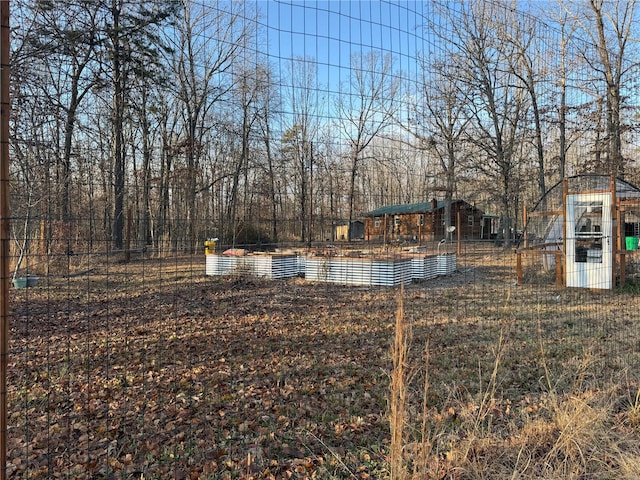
<point x="398" y="391"/>
<point x="579" y="419"/>
<point x="154" y="369"/>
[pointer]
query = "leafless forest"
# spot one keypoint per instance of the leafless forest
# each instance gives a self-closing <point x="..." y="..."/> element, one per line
<point x="141" y="129"/>
<point x="148" y="124"/>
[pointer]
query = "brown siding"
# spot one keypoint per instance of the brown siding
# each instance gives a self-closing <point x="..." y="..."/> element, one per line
<point x="407" y="226"/>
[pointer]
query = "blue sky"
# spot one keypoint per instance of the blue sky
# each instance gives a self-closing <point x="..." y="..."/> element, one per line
<point x="330" y="32"/>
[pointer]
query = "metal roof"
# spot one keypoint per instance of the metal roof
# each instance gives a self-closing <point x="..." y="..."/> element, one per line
<point x="404" y="208"/>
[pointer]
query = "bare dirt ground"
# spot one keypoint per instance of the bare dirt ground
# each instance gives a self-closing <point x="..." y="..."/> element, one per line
<point x="154" y="370"/>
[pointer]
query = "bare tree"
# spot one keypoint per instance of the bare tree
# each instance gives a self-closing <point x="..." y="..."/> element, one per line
<point x="496" y="98"/>
<point x="247" y="93"/>
<point x="268" y="106"/>
<point x="65" y="40"/>
<point x="202" y="64"/>
<point x="521" y="35"/>
<point x="130" y="42"/>
<point x="610" y="26"/>
<point x="365" y="110"/>
<point x="145" y="113"/>
<point x="565" y="35"/>
<point x="300" y="94"/>
<point x="438" y="122"/>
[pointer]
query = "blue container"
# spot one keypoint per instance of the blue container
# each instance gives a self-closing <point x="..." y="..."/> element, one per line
<point x="24" y="282"/>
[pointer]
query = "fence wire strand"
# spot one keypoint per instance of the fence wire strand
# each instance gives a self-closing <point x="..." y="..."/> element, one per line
<point x="270" y="130"/>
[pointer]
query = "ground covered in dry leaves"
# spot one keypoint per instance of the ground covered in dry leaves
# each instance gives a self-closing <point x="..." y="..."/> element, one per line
<point x="153" y="370"/>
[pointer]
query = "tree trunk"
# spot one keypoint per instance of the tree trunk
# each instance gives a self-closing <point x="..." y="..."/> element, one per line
<point x="352" y="192"/>
<point x="118" y="140"/>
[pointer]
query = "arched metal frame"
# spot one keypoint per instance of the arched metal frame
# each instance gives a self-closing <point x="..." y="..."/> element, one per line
<point x="545" y="233"/>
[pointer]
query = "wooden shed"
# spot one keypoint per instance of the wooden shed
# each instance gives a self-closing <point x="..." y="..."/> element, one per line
<point x="341" y="230"/>
<point x="422" y="221"/>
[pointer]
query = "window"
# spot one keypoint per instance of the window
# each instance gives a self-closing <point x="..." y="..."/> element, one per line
<point x="470" y="220"/>
<point x="396" y="220"/>
<point x="376" y="222"/>
<point x="588" y="232"/>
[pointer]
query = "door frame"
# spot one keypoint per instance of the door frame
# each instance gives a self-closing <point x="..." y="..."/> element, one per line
<point x="589" y="248"/>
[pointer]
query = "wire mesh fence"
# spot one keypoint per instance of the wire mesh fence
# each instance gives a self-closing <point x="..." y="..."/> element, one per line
<point x="150" y="368"/>
<point x="219" y="233"/>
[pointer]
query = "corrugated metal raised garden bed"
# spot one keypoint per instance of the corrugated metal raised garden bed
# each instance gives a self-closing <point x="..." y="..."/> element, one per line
<point x="348" y="270"/>
<point x="276" y="265"/>
<point x="372" y="271"/>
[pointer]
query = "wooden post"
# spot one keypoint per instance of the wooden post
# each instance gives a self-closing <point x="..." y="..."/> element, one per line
<point x="559" y="268"/>
<point x="42" y="249"/>
<point x="614" y="230"/>
<point x="127" y="248"/>
<point x="560" y="282"/>
<point x="5" y="236"/>
<point x="459" y="232"/>
<point x="621" y="247"/>
<point x="524" y="219"/>
<point x="519" y="268"/>
<point x="384" y="229"/>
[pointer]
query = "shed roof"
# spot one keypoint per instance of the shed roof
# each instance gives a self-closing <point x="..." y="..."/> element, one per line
<point x="344" y="223"/>
<point x="405" y="208"/>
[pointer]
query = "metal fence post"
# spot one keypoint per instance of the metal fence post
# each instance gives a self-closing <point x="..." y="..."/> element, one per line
<point x="4" y="229"/>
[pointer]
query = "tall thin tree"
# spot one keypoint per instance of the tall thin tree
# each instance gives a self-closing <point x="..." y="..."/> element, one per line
<point x="365" y="110"/>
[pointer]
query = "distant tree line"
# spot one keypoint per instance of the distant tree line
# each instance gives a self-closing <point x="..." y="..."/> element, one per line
<point x="159" y="124"/>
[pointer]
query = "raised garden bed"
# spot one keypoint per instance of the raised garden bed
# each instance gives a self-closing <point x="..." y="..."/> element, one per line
<point x="359" y="271"/>
<point x="446" y="264"/>
<point x="260" y="265"/>
<point x="424" y="267"/>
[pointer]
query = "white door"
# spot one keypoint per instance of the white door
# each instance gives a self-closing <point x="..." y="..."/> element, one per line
<point x="589" y="250"/>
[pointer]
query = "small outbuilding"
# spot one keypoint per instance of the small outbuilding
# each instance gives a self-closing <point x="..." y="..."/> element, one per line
<point x="424" y="222"/>
<point x="341" y="230"/>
